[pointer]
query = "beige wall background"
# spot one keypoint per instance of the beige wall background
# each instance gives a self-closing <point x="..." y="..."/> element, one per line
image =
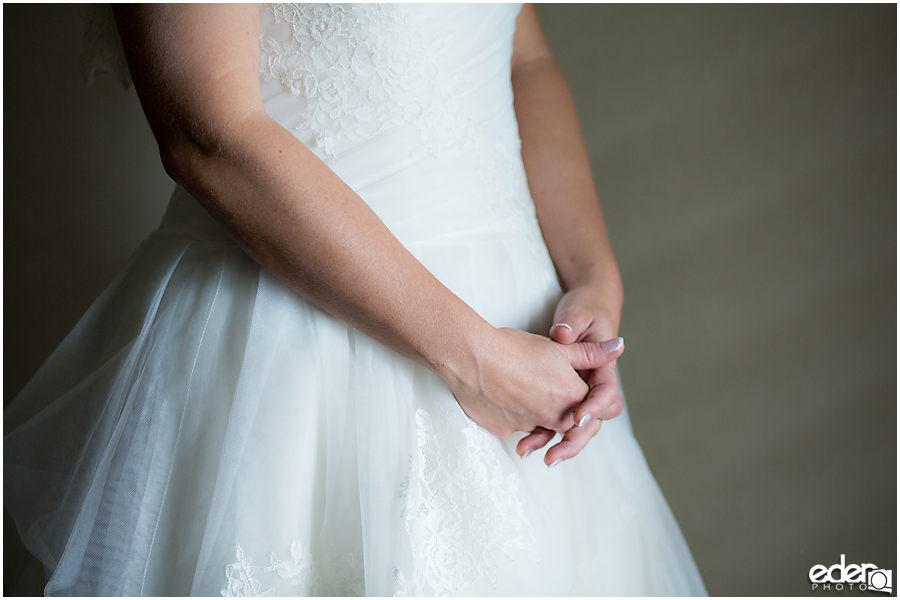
<point x="746" y="161"/>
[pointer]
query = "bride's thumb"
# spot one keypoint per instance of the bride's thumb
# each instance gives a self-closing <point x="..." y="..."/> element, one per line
<point x="593" y="355"/>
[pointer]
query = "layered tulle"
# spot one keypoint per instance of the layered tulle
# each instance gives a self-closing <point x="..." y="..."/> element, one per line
<point x="204" y="430"/>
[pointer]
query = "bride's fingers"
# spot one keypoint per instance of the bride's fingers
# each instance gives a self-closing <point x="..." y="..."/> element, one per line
<point x="572" y="443"/>
<point x="563" y="333"/>
<point x="534" y="440"/>
<point x="602" y="402"/>
<point x="570" y="321"/>
<point x="568" y="325"/>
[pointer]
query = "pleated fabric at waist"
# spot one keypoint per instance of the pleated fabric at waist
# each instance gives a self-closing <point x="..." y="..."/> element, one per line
<point x="465" y="195"/>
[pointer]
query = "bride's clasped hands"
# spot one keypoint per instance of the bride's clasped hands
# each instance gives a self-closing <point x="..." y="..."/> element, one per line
<point x="518" y="381"/>
<point x="583" y="315"/>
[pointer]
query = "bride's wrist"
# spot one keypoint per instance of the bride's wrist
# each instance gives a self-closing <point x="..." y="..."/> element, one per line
<point x="456" y="356"/>
<point x="607" y="283"/>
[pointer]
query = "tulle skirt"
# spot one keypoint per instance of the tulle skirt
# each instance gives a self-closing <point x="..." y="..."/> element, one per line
<point x="204" y="430"/>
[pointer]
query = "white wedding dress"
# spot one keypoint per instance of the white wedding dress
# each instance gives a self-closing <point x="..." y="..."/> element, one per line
<point x="204" y="430"/>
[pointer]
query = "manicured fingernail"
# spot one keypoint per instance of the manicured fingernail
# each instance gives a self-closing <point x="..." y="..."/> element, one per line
<point x="610" y="346"/>
<point x="584" y="419"/>
<point x="555" y="462"/>
<point x="527" y="452"/>
<point x="562" y="325"/>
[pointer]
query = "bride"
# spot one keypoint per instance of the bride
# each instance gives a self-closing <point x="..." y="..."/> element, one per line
<point x="382" y="283"/>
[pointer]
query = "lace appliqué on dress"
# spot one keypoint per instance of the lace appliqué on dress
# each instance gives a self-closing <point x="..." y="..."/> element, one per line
<point x="241" y="582"/>
<point x="462" y="510"/>
<point x="361" y="69"/>
<point x="339" y="574"/>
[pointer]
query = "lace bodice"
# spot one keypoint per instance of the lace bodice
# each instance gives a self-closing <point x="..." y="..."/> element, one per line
<point x="360" y="70"/>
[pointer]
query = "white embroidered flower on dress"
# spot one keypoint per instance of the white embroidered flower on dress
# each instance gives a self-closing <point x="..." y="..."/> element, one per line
<point x="297" y="570"/>
<point x="241" y="582"/>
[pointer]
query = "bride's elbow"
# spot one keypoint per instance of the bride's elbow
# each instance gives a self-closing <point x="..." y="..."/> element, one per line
<point x="186" y="161"/>
<point x="177" y="160"/>
<point x="192" y="150"/>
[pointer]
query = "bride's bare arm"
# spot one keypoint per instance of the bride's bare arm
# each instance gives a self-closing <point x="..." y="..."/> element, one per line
<point x="561" y="182"/>
<point x="196" y="71"/>
<point x="559" y="171"/>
